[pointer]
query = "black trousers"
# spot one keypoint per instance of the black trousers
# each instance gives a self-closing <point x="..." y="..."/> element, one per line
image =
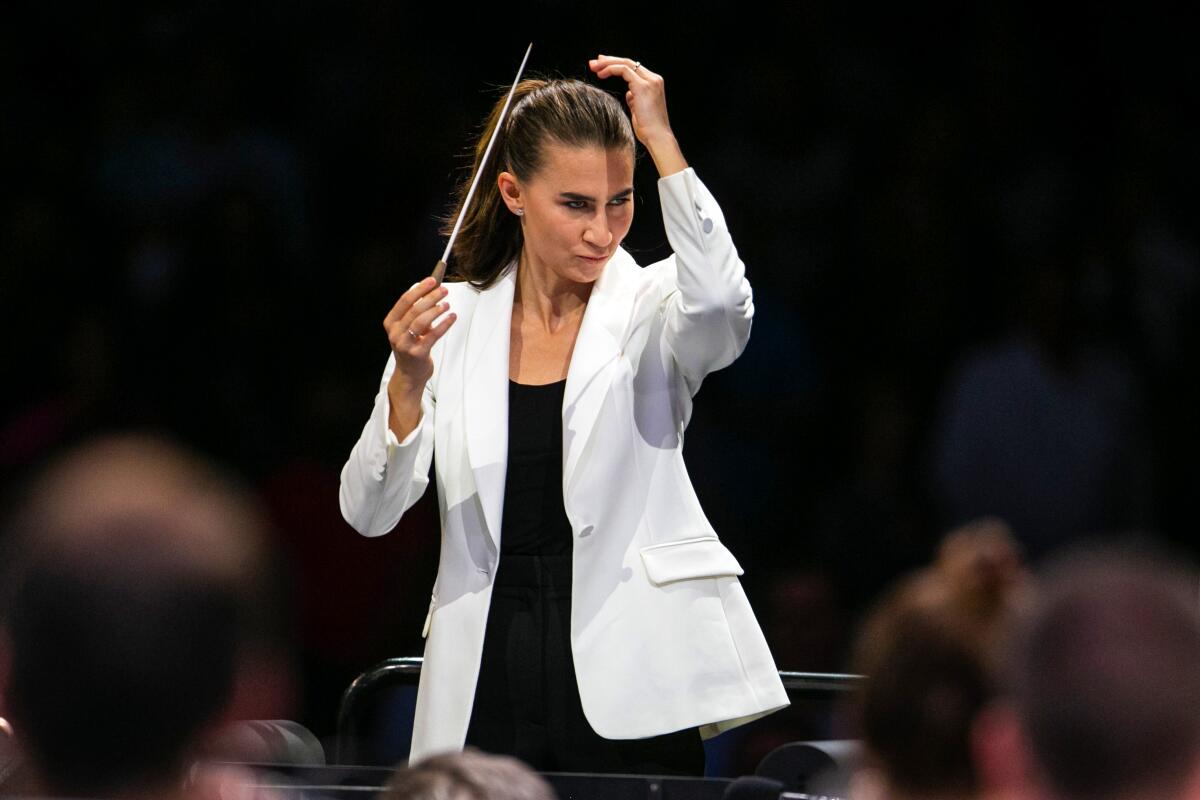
<point x="527" y="700"/>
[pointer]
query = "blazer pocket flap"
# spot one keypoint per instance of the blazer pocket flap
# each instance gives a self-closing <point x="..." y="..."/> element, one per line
<point x="704" y="557"/>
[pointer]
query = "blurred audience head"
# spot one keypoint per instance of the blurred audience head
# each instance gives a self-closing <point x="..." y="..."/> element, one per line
<point x="126" y="601"/>
<point x="469" y="775"/>
<point x="929" y="650"/>
<point x="1103" y="684"/>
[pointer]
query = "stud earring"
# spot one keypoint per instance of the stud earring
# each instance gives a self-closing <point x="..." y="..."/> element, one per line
<point x="520" y="212"/>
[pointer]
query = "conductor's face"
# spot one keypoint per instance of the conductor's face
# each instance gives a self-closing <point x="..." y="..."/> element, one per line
<point x="576" y="210"/>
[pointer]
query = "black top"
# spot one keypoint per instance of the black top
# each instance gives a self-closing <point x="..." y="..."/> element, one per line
<point x="535" y="521"/>
<point x="527" y="697"/>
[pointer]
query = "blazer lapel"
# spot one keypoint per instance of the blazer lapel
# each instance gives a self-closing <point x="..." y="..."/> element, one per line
<point x="485" y="386"/>
<point x="597" y="348"/>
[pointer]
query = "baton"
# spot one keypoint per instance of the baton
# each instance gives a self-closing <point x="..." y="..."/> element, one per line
<point x="439" y="271"/>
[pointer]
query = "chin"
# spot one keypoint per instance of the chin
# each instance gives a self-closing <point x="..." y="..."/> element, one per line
<point x="583" y="273"/>
<point x="589" y="271"/>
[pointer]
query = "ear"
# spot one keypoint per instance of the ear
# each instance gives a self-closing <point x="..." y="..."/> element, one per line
<point x="511" y="192"/>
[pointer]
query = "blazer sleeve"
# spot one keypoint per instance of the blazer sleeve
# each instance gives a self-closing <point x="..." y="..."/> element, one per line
<point x="708" y="310"/>
<point x="384" y="477"/>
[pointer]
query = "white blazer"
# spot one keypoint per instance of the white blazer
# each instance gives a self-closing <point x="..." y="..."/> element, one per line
<point x="662" y="635"/>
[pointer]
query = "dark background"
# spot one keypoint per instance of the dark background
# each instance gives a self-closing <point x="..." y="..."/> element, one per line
<point x="970" y="231"/>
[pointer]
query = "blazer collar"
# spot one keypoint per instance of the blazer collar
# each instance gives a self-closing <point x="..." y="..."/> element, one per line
<point x="485" y="386"/>
<point x="597" y="349"/>
<point x="485" y="378"/>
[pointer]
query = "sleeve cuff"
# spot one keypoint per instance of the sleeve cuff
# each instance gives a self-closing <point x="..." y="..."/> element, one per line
<point x="392" y="441"/>
<point x="675" y="177"/>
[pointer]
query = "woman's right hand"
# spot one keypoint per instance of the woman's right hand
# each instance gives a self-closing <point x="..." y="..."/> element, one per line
<point x="412" y="334"/>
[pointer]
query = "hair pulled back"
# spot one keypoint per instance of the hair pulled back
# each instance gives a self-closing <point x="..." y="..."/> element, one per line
<point x="568" y="112"/>
<point x="930" y="648"/>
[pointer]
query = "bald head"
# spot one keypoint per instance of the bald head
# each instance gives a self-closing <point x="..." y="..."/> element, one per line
<point x="156" y="487"/>
<point x="129" y="589"/>
<point x="1106" y="678"/>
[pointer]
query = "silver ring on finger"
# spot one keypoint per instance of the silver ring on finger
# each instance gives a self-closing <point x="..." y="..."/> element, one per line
<point x="637" y="65"/>
<point x="414" y="334"/>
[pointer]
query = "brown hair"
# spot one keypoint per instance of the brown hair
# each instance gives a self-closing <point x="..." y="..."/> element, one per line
<point x="1104" y="676"/>
<point x="930" y="653"/>
<point x="469" y="775"/>
<point x="568" y="112"/>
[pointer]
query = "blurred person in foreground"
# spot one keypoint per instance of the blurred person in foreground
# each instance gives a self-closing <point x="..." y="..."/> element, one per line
<point x="468" y="775"/>
<point x="131" y="611"/>
<point x="1102" y="686"/>
<point x="930" y="650"/>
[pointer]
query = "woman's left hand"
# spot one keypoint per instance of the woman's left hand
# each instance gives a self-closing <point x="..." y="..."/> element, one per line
<point x="647" y="102"/>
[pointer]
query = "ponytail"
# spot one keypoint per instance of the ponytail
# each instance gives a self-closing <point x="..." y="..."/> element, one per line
<point x="569" y="112"/>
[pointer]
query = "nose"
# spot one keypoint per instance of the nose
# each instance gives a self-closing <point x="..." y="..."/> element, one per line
<point x="597" y="232"/>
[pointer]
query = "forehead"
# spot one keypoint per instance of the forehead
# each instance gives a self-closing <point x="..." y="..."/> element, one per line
<point x="566" y="168"/>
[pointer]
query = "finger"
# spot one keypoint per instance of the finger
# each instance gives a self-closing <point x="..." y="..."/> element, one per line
<point x="421" y="323"/>
<point x="403" y="339"/>
<point x="625" y="71"/>
<point x="426" y="302"/>
<point x="406" y="300"/>
<point x="627" y="67"/>
<point x="609" y="66"/>
<point x="604" y="61"/>
<point x="404" y="333"/>
<point x="433" y="334"/>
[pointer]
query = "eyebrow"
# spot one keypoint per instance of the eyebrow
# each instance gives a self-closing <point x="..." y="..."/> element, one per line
<point x="576" y="196"/>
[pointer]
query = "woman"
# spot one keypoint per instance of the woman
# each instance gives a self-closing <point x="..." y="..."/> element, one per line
<point x="585" y="616"/>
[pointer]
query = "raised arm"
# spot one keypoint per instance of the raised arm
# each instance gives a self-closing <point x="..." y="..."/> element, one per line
<point x="647" y="100"/>
<point x="709" y="308"/>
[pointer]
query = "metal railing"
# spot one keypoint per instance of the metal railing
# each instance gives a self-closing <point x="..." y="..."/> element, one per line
<point x="408" y="670"/>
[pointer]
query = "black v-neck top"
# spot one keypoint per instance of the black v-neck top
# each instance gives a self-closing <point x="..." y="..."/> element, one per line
<point x="535" y="521"/>
<point x="527" y="694"/>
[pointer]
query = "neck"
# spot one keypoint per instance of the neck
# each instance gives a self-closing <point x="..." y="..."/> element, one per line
<point x="546" y="298"/>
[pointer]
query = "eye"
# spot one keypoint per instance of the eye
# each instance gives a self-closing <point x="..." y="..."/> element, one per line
<point x="620" y="201"/>
<point x="577" y="205"/>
